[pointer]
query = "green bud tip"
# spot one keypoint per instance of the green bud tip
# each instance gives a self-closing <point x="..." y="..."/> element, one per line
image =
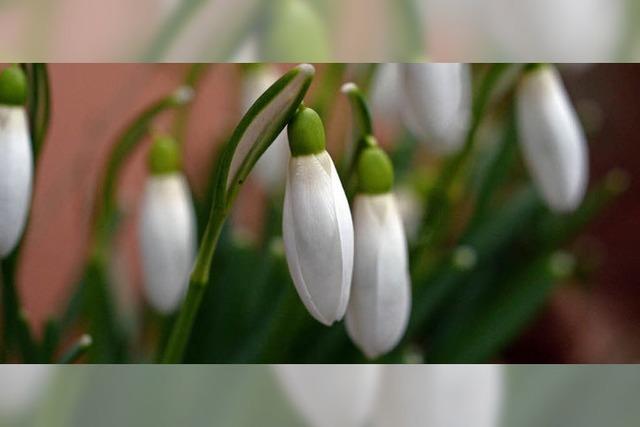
<point x="164" y="156"/>
<point x="306" y="133"/>
<point x="375" y="171"/>
<point x="13" y="86"/>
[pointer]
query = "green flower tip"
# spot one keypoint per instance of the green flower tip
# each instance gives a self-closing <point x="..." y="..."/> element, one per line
<point x="375" y="171"/>
<point x="13" y="86"/>
<point x="164" y="156"/>
<point x="306" y="133"/>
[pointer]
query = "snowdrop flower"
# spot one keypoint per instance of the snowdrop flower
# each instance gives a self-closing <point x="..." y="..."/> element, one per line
<point x="272" y="166"/>
<point x="553" y="142"/>
<point x="20" y="388"/>
<point x="331" y="395"/>
<point x="439" y="396"/>
<point x="381" y="293"/>
<point x="16" y="159"/>
<point x="438" y="103"/>
<point x="167" y="228"/>
<point x="317" y="227"/>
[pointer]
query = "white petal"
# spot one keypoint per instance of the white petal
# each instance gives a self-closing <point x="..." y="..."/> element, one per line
<point x="16" y="175"/>
<point x="271" y="169"/>
<point x="20" y="388"/>
<point x="438" y="103"/>
<point x="331" y="395"/>
<point x="167" y="236"/>
<point x="380" y="299"/>
<point x="440" y="396"/>
<point x="318" y="236"/>
<point x="554" y="145"/>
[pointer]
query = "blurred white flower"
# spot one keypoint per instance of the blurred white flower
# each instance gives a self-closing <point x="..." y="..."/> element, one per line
<point x="438" y="103"/>
<point x="550" y="30"/>
<point x="331" y="395"/>
<point x="553" y="142"/>
<point x="20" y="388"/>
<point x="439" y="396"/>
<point x="16" y="175"/>
<point x="317" y="226"/>
<point x="271" y="168"/>
<point x="168" y="240"/>
<point x="386" y="93"/>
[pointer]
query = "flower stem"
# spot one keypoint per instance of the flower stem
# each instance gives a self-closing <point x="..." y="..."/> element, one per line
<point x="438" y="203"/>
<point x="197" y="287"/>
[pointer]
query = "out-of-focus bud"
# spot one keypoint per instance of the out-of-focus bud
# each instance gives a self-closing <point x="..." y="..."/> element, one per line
<point x="317" y="226"/>
<point x="440" y="396"/>
<point x="16" y="159"/>
<point x="167" y="228"/>
<point x="271" y="169"/>
<point x="437" y="104"/>
<point x="380" y="299"/>
<point x="331" y="395"/>
<point x="20" y="388"/>
<point x="553" y="142"/>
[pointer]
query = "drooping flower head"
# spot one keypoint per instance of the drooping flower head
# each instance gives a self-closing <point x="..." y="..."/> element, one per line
<point x="167" y="228"/>
<point x="16" y="159"/>
<point x="380" y="300"/>
<point x="317" y="227"/>
<point x="553" y="142"/>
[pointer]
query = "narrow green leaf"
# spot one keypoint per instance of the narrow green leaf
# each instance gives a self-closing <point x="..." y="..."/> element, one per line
<point x="259" y="127"/>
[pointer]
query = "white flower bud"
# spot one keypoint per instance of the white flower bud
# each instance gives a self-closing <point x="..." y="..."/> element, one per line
<point x="318" y="235"/>
<point x="20" y="388"/>
<point x="331" y="395"/>
<point x="440" y="396"/>
<point x="167" y="236"/>
<point x="438" y="103"/>
<point x="16" y="175"/>
<point x="272" y="166"/>
<point x="380" y="300"/>
<point x="553" y="142"/>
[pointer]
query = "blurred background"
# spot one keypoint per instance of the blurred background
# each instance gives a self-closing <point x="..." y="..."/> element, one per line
<point x="249" y="395"/>
<point x="593" y="317"/>
<point x="319" y="30"/>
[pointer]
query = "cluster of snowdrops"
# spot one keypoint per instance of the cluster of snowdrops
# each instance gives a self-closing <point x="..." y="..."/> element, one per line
<point x="346" y="251"/>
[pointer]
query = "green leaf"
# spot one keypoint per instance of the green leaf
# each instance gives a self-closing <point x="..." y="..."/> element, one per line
<point x="260" y="126"/>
